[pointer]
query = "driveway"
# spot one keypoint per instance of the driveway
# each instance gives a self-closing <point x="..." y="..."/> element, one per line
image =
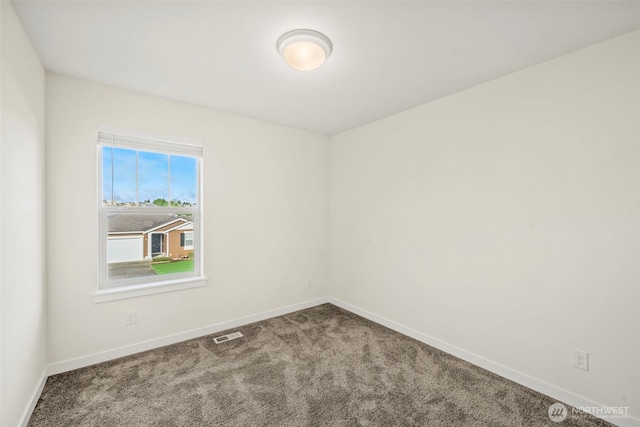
<point x="127" y="270"/>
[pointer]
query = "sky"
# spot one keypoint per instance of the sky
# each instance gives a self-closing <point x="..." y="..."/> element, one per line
<point x="157" y="175"/>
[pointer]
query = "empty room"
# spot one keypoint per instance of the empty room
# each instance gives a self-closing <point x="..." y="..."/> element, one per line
<point x="332" y="213"/>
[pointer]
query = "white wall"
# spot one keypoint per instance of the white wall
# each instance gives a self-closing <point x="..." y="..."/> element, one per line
<point x="23" y="342"/>
<point x="265" y="218"/>
<point x="504" y="220"/>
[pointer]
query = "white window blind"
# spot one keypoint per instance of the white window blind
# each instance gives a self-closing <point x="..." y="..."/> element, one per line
<point x="133" y="141"/>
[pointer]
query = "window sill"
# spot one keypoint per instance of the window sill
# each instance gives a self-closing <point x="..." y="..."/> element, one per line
<point x="134" y="291"/>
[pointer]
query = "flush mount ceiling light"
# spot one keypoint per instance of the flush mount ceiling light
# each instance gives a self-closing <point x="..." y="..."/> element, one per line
<point x="304" y="50"/>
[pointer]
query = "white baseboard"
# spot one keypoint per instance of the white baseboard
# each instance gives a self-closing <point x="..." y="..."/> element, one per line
<point x="92" y="359"/>
<point x="35" y="396"/>
<point x="497" y="368"/>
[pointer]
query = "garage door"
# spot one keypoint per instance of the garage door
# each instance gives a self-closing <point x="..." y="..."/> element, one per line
<point x="123" y="249"/>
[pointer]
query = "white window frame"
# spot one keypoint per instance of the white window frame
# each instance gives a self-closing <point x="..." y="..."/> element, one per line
<point x="135" y="287"/>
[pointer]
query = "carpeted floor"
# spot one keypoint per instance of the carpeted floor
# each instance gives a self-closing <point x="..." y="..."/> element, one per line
<point x="318" y="367"/>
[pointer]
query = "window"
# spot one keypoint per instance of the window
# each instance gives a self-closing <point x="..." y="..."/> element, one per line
<point x="149" y="215"/>
<point x="186" y="240"/>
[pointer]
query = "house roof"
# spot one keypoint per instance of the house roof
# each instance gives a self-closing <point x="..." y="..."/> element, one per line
<point x="140" y="223"/>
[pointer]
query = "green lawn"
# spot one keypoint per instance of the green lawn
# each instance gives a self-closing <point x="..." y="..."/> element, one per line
<point x="173" y="267"/>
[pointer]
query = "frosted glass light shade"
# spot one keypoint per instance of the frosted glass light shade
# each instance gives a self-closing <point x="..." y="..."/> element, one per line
<point x="304" y="50"/>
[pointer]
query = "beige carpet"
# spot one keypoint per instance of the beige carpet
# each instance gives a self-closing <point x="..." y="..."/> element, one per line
<point x="318" y="367"/>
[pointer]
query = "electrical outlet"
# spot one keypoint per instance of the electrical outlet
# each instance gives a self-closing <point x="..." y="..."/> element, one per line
<point x="310" y="283"/>
<point x="131" y="318"/>
<point x="580" y="359"/>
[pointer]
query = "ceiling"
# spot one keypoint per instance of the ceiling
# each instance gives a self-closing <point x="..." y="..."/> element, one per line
<point x="388" y="56"/>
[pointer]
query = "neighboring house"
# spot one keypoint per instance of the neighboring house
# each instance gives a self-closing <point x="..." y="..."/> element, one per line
<point x="135" y="237"/>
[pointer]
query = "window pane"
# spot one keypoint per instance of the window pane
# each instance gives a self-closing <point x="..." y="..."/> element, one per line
<point x="184" y="181"/>
<point x="188" y="239"/>
<point x="149" y="205"/>
<point x="147" y="245"/>
<point x="106" y="176"/>
<point x="153" y="178"/>
<point x="124" y="176"/>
